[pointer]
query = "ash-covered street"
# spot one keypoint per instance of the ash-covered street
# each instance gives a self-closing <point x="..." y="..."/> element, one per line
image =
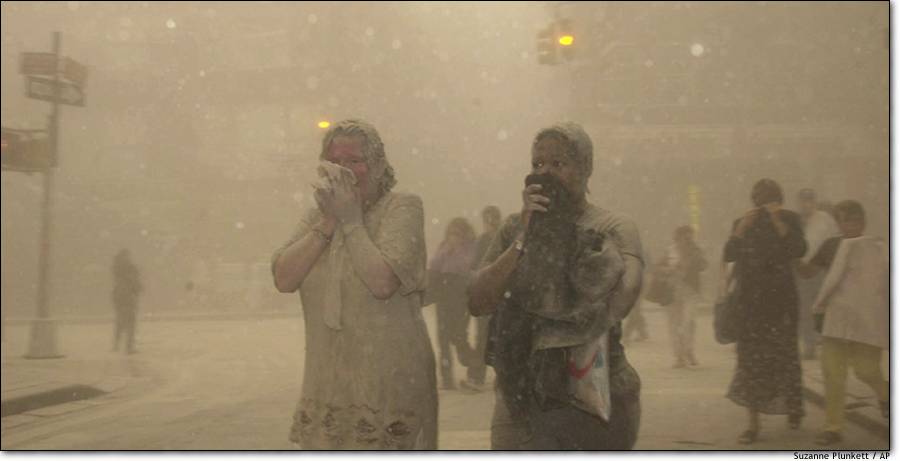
<point x="232" y="385"/>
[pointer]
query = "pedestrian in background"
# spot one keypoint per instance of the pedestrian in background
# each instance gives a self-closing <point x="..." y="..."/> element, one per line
<point x="126" y="290"/>
<point x="853" y="313"/>
<point x="818" y="226"/>
<point x="763" y="245"/>
<point x="477" y="369"/>
<point x="684" y="262"/>
<point x="448" y="276"/>
<point x="635" y="323"/>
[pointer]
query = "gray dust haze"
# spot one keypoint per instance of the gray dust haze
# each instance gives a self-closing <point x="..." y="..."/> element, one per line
<point x="200" y="134"/>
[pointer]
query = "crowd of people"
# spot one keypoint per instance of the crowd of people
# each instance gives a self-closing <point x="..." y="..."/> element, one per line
<point x="778" y="259"/>
<point x="542" y="286"/>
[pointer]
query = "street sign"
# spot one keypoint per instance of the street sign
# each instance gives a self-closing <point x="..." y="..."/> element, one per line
<point x="74" y="72"/>
<point x="21" y="151"/>
<point x="38" y="64"/>
<point x="42" y="88"/>
<point x="47" y="64"/>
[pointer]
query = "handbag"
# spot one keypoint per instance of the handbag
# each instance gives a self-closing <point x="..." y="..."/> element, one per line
<point x="727" y="314"/>
<point x="661" y="291"/>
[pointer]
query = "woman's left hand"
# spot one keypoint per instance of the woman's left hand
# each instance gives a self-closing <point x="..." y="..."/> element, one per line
<point x="773" y="210"/>
<point x="818" y="308"/>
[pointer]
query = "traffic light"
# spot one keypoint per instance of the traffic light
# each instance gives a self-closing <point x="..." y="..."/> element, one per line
<point x="557" y="42"/>
<point x="547" y="45"/>
<point x="565" y="39"/>
<point x="21" y="151"/>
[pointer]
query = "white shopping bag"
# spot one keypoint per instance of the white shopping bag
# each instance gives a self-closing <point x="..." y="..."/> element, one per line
<point x="588" y="370"/>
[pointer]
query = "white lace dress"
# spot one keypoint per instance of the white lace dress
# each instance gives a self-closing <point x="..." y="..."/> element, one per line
<point x="371" y="383"/>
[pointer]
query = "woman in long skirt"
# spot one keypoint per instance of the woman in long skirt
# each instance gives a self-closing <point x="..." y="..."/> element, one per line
<point x="763" y="244"/>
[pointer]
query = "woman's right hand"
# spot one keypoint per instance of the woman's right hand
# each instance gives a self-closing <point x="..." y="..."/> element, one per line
<point x="325" y="200"/>
<point x="335" y="193"/>
<point x="532" y="201"/>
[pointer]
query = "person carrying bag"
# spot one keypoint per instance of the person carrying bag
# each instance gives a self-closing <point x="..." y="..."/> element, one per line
<point x="727" y="311"/>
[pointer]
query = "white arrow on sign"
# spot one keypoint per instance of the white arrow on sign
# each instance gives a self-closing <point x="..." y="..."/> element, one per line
<point x="42" y="88"/>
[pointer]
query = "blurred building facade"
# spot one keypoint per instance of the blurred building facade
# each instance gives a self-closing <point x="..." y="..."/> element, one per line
<point x="195" y="146"/>
<point x="199" y="136"/>
<point x="690" y="103"/>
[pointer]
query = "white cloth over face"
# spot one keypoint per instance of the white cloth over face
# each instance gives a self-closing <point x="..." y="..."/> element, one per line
<point x="854" y="295"/>
<point x="336" y="172"/>
<point x="330" y="174"/>
<point x="337" y="258"/>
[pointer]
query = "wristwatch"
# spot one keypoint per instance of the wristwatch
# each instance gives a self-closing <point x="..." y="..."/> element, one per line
<point x="519" y="246"/>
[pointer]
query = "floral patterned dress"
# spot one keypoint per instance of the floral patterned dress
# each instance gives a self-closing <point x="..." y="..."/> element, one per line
<point x="767" y="378"/>
<point x="369" y="380"/>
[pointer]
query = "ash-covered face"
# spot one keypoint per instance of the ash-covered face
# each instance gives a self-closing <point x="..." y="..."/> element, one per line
<point x="553" y="155"/>
<point x="851" y="225"/>
<point x="807" y="206"/>
<point x="347" y="151"/>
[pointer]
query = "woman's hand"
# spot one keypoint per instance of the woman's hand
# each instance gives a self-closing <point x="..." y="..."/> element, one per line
<point x="347" y="203"/>
<point x="337" y="196"/>
<point x="819" y="308"/>
<point x="532" y="201"/>
<point x="749" y="218"/>
<point x="773" y="209"/>
<point x="805" y="270"/>
<point x="324" y="195"/>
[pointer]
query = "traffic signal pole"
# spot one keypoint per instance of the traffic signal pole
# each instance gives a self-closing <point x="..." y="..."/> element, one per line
<point x="42" y="344"/>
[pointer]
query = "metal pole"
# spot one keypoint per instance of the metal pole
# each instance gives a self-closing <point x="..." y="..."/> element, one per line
<point x="43" y="328"/>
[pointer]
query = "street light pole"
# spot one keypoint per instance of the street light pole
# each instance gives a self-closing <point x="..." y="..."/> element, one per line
<point x="43" y="329"/>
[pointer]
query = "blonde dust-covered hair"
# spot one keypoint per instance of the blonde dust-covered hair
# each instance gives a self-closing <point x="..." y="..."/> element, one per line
<point x="373" y="149"/>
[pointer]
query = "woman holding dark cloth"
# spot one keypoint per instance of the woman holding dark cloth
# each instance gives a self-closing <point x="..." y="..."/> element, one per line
<point x="763" y="243"/>
<point x="521" y="421"/>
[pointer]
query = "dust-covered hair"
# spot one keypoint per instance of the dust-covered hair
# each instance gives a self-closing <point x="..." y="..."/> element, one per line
<point x="766" y="191"/>
<point x="850" y="209"/>
<point x="578" y="143"/>
<point x="492" y="210"/>
<point x="373" y="149"/>
<point x="463" y="226"/>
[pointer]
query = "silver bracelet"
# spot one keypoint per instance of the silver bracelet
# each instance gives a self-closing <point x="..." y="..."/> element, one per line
<point x="322" y="235"/>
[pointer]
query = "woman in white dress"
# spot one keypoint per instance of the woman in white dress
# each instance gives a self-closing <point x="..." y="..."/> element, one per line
<point x="358" y="260"/>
